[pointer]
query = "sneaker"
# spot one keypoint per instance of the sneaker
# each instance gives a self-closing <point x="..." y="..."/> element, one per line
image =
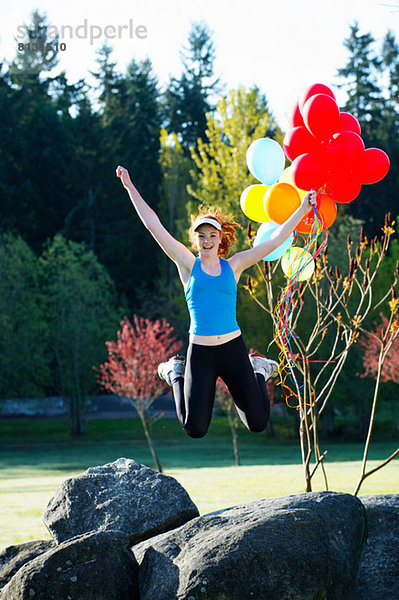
<point x="174" y="367"/>
<point x="266" y="367"/>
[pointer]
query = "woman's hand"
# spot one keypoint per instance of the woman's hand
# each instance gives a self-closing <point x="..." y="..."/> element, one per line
<point x="309" y="201"/>
<point x="124" y="176"/>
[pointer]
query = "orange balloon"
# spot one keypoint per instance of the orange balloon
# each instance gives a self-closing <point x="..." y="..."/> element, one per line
<point x="286" y="178"/>
<point x="281" y="201"/>
<point x="327" y="211"/>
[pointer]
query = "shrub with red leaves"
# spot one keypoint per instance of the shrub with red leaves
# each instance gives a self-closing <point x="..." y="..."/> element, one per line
<point x="131" y="368"/>
<point x="132" y="365"/>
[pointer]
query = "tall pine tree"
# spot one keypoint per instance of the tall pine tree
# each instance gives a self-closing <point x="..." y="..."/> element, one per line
<point x="36" y="144"/>
<point x="131" y="119"/>
<point x="190" y="97"/>
<point x="363" y="79"/>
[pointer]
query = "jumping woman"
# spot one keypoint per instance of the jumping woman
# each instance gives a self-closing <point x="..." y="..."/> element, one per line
<point x="216" y="347"/>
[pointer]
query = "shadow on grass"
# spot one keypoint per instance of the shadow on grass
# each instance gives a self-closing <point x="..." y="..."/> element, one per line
<point x="48" y="446"/>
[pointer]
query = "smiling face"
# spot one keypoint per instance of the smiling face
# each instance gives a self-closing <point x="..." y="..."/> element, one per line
<point x="207" y="240"/>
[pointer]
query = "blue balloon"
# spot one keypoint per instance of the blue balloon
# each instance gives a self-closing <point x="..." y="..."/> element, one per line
<point x="266" y="160"/>
<point x="264" y="232"/>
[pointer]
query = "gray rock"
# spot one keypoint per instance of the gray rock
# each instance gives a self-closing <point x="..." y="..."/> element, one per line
<point x="378" y="577"/>
<point x="123" y="495"/>
<point x="14" y="557"/>
<point x="301" y="547"/>
<point x="96" y="566"/>
<point x="345" y="519"/>
<point x="237" y="555"/>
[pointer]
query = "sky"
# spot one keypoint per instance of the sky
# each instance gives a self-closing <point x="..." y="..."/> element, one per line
<point x="282" y="46"/>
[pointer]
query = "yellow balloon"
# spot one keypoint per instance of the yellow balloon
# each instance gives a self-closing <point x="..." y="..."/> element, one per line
<point x="251" y="202"/>
<point x="295" y="259"/>
<point x="286" y="178"/>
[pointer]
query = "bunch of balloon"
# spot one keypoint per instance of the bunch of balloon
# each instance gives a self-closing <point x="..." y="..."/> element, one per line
<point x="273" y="200"/>
<point x="328" y="153"/>
<point x="266" y="161"/>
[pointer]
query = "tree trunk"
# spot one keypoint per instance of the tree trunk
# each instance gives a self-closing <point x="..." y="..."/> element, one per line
<point x="149" y="441"/>
<point x="234" y="436"/>
<point x="77" y="415"/>
<point x="306" y="451"/>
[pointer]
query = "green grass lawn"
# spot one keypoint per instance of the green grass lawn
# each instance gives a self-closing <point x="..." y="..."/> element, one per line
<point x="36" y="456"/>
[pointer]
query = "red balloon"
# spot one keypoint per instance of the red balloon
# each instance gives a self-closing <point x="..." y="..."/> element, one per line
<point x="343" y="190"/>
<point x="299" y="141"/>
<point x="348" y="122"/>
<point x="321" y="116"/>
<point x="296" y="117"/>
<point x="344" y="153"/>
<point x="309" y="172"/>
<point x="327" y="210"/>
<point x="316" y="88"/>
<point x="374" y="165"/>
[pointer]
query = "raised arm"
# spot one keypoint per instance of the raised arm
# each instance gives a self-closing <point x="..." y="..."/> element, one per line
<point x="243" y="260"/>
<point x="176" y="251"/>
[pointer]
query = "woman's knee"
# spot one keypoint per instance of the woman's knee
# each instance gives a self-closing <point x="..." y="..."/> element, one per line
<point x="195" y="429"/>
<point x="257" y="427"/>
<point x="256" y="423"/>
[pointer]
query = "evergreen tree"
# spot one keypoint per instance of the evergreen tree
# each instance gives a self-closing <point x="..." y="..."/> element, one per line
<point x="189" y="98"/>
<point x="390" y="129"/>
<point x="37" y="52"/>
<point x="390" y="53"/>
<point x="131" y="120"/>
<point x="361" y="75"/>
<point x="36" y="146"/>
<point x="10" y="148"/>
<point x="372" y="104"/>
<point x="85" y="181"/>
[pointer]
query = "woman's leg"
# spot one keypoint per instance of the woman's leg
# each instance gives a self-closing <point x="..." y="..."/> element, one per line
<point x="195" y="395"/>
<point x="247" y="388"/>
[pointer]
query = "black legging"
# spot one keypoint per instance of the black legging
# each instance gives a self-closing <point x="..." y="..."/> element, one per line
<point x="195" y="395"/>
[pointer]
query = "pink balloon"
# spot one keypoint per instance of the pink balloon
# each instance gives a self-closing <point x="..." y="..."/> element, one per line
<point x="309" y="172"/>
<point x="374" y="165"/>
<point x="316" y="88"/>
<point x="300" y="141"/>
<point x="348" y="122"/>
<point x="321" y="116"/>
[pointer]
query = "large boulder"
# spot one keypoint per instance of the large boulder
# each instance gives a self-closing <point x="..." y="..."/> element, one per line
<point x="378" y="577"/>
<point x="14" y="557"/>
<point x="96" y="566"/>
<point x="304" y="546"/>
<point x="235" y="555"/>
<point x="122" y="495"/>
<point x="345" y="519"/>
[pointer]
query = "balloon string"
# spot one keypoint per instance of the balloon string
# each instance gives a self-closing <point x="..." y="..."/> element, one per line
<point x="285" y="307"/>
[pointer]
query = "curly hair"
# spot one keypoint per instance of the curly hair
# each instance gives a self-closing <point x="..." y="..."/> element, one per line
<point x="228" y="231"/>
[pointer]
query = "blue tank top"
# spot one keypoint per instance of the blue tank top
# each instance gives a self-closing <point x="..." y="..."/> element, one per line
<point x="212" y="300"/>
